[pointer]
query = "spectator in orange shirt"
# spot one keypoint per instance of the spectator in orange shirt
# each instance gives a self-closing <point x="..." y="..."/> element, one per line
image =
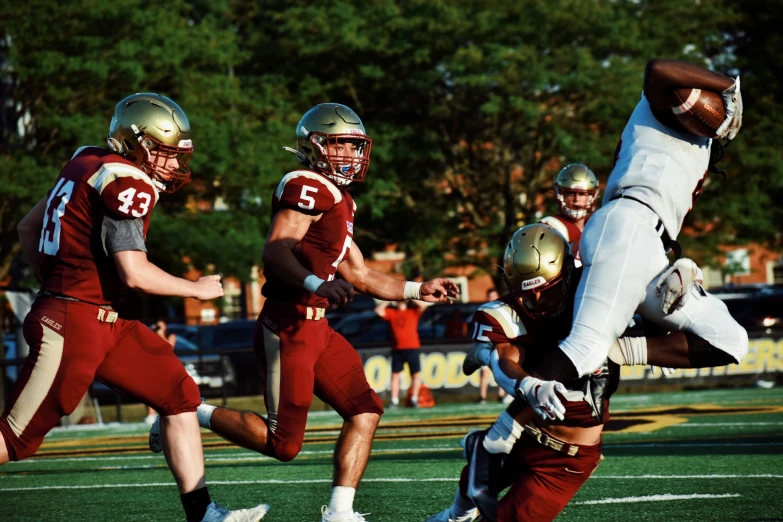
<point x="404" y="323"/>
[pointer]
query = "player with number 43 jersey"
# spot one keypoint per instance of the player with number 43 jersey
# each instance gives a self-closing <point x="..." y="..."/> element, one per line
<point x="309" y="241"/>
<point x="86" y="242"/>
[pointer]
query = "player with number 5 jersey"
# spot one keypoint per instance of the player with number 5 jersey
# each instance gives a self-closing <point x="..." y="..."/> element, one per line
<point x="86" y="242"/>
<point x="310" y="241"/>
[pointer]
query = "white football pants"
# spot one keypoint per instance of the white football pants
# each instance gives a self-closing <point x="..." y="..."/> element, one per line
<point x="622" y="256"/>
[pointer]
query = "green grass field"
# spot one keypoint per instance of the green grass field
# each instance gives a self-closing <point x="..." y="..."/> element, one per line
<point x="694" y="455"/>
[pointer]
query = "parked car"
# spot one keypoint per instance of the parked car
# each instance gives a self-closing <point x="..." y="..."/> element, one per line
<point x="236" y="338"/>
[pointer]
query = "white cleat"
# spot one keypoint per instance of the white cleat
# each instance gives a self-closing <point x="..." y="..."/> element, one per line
<point x="343" y="516"/>
<point x="156" y="446"/>
<point x="217" y="513"/>
<point x="445" y="516"/>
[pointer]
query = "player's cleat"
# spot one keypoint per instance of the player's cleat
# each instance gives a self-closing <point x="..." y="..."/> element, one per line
<point x="484" y="470"/>
<point x="156" y="446"/>
<point x="476" y="358"/>
<point x="343" y="516"/>
<point x="445" y="516"/>
<point x="217" y="513"/>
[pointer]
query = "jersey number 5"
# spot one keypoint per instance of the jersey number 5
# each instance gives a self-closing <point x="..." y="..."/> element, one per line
<point x="49" y="243"/>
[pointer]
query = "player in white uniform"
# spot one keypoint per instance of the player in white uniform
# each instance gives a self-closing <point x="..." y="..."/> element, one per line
<point x="658" y="174"/>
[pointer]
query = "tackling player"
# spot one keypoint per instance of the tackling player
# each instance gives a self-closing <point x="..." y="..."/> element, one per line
<point x="659" y="172"/>
<point x="86" y="242"/>
<point x="309" y="241"/>
<point x="576" y="191"/>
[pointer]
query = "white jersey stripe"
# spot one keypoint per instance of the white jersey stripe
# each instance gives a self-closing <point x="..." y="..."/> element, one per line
<point x="506" y="317"/>
<point x="309" y="175"/>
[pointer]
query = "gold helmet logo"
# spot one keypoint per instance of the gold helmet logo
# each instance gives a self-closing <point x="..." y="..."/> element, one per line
<point x="537" y="266"/>
<point x="330" y="139"/>
<point x="154" y="133"/>
<point x="576" y="190"/>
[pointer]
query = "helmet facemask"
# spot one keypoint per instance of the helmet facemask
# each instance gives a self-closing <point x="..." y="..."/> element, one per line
<point x="572" y="211"/>
<point x="167" y="165"/>
<point x="343" y="158"/>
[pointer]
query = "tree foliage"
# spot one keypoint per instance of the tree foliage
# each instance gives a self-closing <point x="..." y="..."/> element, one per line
<point x="472" y="106"/>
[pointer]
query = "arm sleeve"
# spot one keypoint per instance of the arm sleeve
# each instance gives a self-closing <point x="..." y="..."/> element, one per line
<point x="119" y="235"/>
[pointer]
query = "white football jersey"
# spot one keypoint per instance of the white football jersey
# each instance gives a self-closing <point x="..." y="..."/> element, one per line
<point x="660" y="166"/>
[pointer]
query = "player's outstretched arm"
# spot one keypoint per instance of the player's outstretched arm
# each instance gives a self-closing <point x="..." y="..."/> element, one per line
<point x="288" y="228"/>
<point x="138" y="273"/>
<point x="29" y="230"/>
<point x="382" y="286"/>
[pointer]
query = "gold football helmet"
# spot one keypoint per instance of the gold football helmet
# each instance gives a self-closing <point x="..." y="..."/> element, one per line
<point x="154" y="133"/>
<point x="538" y="268"/>
<point x="575" y="180"/>
<point x="330" y="139"/>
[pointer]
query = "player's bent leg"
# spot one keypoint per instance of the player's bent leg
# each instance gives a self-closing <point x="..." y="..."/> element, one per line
<point x="3" y="451"/>
<point x="621" y="252"/>
<point x="57" y="373"/>
<point x="714" y="337"/>
<point x="181" y="439"/>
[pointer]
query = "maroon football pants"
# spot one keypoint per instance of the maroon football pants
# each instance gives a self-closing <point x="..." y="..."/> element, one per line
<point x="299" y="358"/>
<point x="71" y="344"/>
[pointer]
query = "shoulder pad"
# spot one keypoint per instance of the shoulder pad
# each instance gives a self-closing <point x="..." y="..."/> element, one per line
<point x="307" y="192"/>
<point x="497" y="322"/>
<point x="126" y="191"/>
<point x="558" y="225"/>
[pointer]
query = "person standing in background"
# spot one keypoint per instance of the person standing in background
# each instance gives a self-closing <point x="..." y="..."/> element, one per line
<point x="404" y="323"/>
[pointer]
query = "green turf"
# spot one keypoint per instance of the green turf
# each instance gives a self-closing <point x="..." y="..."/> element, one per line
<point x="723" y="443"/>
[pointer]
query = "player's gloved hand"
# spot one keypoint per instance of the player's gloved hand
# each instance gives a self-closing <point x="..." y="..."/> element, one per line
<point x="665" y="371"/>
<point x="732" y="100"/>
<point x="542" y="397"/>
<point x="476" y="358"/>
<point x="338" y="291"/>
<point x="208" y="287"/>
<point x="439" y="290"/>
<point x="675" y="284"/>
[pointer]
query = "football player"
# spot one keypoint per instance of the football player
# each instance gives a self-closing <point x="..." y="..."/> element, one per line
<point x="576" y="191"/>
<point x="659" y="172"/>
<point x="547" y="443"/>
<point x="310" y="240"/>
<point x="86" y="241"/>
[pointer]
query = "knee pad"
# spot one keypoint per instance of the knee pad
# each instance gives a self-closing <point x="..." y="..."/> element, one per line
<point x="284" y="450"/>
<point x="19" y="448"/>
<point x="702" y="354"/>
<point x="185" y="397"/>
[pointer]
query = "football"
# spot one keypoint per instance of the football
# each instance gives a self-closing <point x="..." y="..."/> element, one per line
<point x="700" y="112"/>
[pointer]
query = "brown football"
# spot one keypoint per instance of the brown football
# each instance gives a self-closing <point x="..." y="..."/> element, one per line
<point x="700" y="112"/>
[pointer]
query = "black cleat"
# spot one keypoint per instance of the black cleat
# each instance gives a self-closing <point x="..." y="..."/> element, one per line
<point x="484" y="475"/>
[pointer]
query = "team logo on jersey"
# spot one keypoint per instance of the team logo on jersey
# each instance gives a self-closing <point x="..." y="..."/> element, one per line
<point x="533" y="283"/>
<point x="349" y="224"/>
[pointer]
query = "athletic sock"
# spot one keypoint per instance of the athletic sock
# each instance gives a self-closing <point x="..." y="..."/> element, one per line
<point x="342" y="499"/>
<point x="195" y="504"/>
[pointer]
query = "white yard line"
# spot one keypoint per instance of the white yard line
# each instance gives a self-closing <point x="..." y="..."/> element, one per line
<point x="724" y="424"/>
<point x="654" y="498"/>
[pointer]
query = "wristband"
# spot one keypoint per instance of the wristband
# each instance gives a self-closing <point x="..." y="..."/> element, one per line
<point x="412" y="290"/>
<point x="312" y="282"/>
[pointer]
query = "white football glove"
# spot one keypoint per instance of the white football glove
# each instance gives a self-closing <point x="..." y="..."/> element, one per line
<point x="675" y="284"/>
<point x="732" y="100"/>
<point x="542" y="397"/>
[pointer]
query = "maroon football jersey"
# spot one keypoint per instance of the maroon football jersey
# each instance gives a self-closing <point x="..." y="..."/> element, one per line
<point x="502" y="321"/>
<point x="72" y="258"/>
<point x="326" y="242"/>
<point x="569" y="230"/>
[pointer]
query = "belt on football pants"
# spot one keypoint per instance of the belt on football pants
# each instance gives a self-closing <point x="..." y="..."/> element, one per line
<point x="668" y="242"/>
<point x="312" y="313"/>
<point x="547" y="440"/>
<point x="106" y="313"/>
